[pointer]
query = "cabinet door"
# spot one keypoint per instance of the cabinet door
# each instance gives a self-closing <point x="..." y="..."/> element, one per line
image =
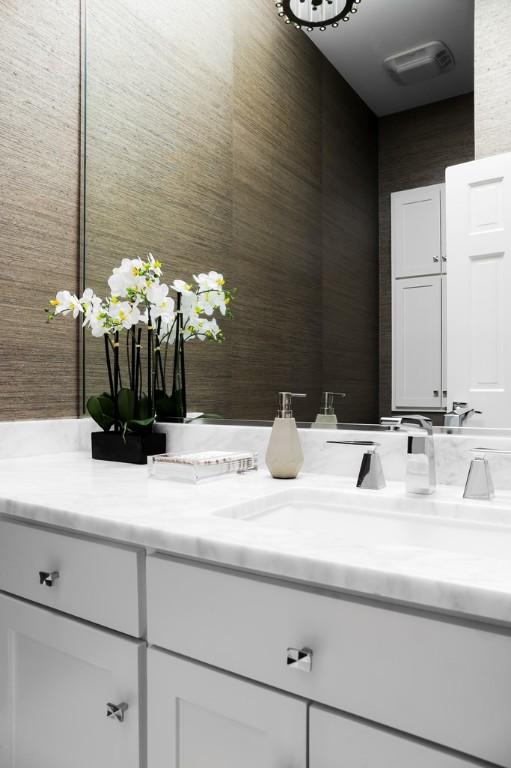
<point x="417" y="231"/>
<point x="337" y="741"/>
<point x="56" y="677"/>
<point x="201" y="718"/>
<point x="417" y="343"/>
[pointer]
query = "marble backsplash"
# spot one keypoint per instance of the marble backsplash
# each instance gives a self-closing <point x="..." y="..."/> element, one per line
<point x="34" y="438"/>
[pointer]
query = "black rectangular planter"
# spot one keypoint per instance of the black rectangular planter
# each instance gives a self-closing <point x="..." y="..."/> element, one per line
<point x="131" y="448"/>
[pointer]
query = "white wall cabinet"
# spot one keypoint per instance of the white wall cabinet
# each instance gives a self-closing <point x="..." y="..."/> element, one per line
<point x="201" y="718"/>
<point x="56" y="677"/>
<point x="417" y="343"/>
<point x="419" y="264"/>
<point x="417" y="231"/>
<point x="337" y="741"/>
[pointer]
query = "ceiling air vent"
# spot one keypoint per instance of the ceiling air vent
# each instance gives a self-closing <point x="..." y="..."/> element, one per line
<point x="418" y="64"/>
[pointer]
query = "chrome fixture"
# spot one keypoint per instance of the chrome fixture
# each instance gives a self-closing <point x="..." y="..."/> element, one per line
<point x="392" y="423"/>
<point x="313" y="14"/>
<point x="479" y="483"/>
<point x="48" y="578"/>
<point x="327" y="402"/>
<point x="299" y="658"/>
<point x="371" y="475"/>
<point x="459" y="415"/>
<point x="420" y="461"/>
<point x="116" y="711"/>
<point x="285" y="399"/>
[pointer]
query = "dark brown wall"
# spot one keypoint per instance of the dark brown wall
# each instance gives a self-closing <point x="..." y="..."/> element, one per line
<point x="350" y="253"/>
<point x="39" y="199"/>
<point x="230" y="143"/>
<point x="415" y="147"/>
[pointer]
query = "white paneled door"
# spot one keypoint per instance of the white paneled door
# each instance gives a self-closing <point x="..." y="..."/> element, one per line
<point x="478" y="198"/>
<point x="417" y="231"/>
<point x="417" y="343"/>
<point x="57" y="676"/>
<point x="201" y="718"/>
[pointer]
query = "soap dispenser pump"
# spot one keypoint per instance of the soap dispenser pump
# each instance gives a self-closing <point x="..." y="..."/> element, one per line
<point x="284" y="456"/>
<point x="327" y="416"/>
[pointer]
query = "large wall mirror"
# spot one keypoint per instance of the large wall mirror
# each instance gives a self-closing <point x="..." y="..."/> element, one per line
<point x="306" y="167"/>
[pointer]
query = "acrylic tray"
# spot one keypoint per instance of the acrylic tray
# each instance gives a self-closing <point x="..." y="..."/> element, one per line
<point x="200" y="465"/>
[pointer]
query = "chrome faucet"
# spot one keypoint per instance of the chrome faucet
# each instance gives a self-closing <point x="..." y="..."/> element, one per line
<point x="479" y="483"/>
<point x="371" y="473"/>
<point x="459" y="415"/>
<point x="420" y="460"/>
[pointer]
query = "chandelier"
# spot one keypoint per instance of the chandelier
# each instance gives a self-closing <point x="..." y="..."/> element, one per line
<point x="316" y="13"/>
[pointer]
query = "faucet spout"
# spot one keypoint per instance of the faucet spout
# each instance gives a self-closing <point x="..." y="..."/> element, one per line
<point x="420" y="460"/>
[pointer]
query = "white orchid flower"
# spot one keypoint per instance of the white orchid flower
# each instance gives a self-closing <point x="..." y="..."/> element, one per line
<point x="123" y="314"/>
<point x="181" y="287"/>
<point x="162" y="305"/>
<point x="213" y="281"/>
<point x="65" y="302"/>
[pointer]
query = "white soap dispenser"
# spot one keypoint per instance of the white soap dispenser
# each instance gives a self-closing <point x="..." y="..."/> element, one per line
<point x="327" y="417"/>
<point x="284" y="456"/>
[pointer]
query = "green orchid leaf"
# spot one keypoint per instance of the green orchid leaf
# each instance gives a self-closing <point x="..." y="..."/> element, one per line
<point x="99" y="411"/>
<point x="126" y="405"/>
<point x="139" y="425"/>
<point x="170" y="407"/>
<point x="143" y="409"/>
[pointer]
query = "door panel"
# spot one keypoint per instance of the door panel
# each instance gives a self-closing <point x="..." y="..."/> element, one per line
<point x="479" y="280"/>
<point x="201" y="718"/>
<point x="56" y="677"/>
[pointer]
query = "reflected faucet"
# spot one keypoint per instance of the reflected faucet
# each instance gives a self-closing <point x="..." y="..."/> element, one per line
<point x="459" y="415"/>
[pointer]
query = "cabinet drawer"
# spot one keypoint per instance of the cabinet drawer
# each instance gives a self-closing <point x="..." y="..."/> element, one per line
<point x="96" y="581"/>
<point x="445" y="682"/>
<point x="58" y="677"/>
<point x="336" y="740"/>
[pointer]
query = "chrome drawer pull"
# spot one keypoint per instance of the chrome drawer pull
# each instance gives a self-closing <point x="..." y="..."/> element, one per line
<point x="116" y="711"/>
<point x="299" y="658"/>
<point x="48" y="578"/>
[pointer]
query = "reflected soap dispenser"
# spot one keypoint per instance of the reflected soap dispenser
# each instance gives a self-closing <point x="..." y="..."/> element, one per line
<point x="327" y="416"/>
<point x="284" y="456"/>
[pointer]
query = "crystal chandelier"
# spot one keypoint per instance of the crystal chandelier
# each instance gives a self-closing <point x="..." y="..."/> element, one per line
<point x="316" y="13"/>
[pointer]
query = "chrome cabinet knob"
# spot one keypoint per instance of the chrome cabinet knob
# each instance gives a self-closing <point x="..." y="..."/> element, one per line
<point x="299" y="658"/>
<point x="48" y="578"/>
<point x="116" y="711"/>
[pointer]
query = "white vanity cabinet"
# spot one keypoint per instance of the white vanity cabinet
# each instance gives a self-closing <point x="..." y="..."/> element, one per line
<point x="202" y="718"/>
<point x="57" y="678"/>
<point x="340" y="741"/>
<point x="72" y="692"/>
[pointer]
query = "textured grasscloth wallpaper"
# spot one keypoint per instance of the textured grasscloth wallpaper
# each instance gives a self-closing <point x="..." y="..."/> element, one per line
<point x="231" y="144"/>
<point x="285" y="204"/>
<point x="39" y="204"/>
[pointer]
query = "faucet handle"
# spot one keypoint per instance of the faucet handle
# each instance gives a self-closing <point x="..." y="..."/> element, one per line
<point x="479" y="483"/>
<point x="371" y="475"/>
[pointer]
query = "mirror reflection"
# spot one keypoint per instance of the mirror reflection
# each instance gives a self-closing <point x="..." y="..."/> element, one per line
<point x="308" y="168"/>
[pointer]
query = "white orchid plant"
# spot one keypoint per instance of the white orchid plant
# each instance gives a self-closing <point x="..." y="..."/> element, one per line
<point x="155" y="314"/>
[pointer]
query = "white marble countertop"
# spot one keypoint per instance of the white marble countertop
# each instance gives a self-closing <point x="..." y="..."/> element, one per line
<point x="120" y="502"/>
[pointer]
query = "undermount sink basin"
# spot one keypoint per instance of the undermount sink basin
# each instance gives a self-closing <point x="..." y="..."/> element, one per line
<point x="382" y="522"/>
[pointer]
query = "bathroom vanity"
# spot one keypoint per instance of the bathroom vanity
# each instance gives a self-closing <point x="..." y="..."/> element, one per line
<point x="248" y="622"/>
